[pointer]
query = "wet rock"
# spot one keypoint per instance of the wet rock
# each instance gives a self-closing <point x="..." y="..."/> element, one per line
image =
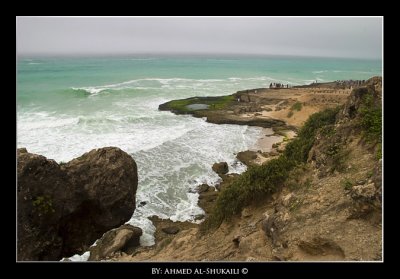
<point x="203" y="188"/>
<point x="246" y="157"/>
<point x="171" y="230"/>
<point x="199" y="217"/>
<point x="142" y="203"/>
<point x="220" y="168"/>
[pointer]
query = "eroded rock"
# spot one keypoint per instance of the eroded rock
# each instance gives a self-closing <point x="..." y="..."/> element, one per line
<point x="63" y="209"/>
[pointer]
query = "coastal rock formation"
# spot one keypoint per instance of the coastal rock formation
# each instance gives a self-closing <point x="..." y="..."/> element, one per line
<point x="247" y="157"/>
<point x="356" y="98"/>
<point x="220" y="168"/>
<point x="122" y="239"/>
<point x="326" y="209"/>
<point x="63" y="209"/>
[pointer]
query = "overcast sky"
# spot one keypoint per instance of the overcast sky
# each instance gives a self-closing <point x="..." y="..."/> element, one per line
<point x="331" y="37"/>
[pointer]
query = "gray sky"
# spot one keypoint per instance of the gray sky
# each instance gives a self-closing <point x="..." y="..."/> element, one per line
<point x="332" y="37"/>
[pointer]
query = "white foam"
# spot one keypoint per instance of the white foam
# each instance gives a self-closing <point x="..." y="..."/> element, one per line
<point x="173" y="153"/>
<point x="148" y="229"/>
<point x="79" y="258"/>
<point x="319" y="72"/>
<point x="173" y="83"/>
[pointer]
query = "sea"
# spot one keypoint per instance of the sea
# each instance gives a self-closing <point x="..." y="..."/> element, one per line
<point x="67" y="106"/>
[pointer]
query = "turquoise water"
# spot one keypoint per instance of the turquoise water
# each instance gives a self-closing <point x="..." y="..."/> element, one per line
<point x="68" y="106"/>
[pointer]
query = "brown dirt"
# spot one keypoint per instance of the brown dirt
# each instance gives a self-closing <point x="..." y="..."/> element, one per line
<point x="311" y="216"/>
<point x="316" y="225"/>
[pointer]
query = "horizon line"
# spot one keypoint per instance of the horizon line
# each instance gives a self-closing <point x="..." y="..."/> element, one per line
<point x="121" y="54"/>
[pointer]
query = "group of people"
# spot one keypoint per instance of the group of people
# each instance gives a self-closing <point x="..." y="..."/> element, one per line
<point x="350" y="83"/>
<point x="278" y="85"/>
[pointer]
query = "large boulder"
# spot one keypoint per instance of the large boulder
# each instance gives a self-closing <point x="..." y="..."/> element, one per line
<point x="247" y="157"/>
<point x="121" y="239"/>
<point x="220" y="168"/>
<point x="62" y="210"/>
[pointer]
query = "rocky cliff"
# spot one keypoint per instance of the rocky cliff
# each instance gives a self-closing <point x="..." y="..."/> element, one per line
<point x="322" y="201"/>
<point x="64" y="208"/>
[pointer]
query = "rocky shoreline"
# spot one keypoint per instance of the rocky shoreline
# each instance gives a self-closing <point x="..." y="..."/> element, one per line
<point x="245" y="237"/>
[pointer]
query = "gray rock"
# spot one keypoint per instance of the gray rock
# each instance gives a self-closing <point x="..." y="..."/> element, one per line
<point x="171" y="230"/>
<point x="119" y="239"/>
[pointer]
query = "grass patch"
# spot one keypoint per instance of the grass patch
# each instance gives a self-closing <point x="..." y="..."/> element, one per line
<point x="43" y="205"/>
<point x="214" y="103"/>
<point x="298" y="149"/>
<point x="371" y="119"/>
<point x="259" y="181"/>
<point x="378" y="151"/>
<point x="347" y="184"/>
<point x="371" y="122"/>
<point x="297" y="106"/>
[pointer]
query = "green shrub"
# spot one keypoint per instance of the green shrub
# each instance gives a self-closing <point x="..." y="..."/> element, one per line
<point x="379" y="151"/>
<point x="259" y="181"/>
<point x="371" y="122"/>
<point x="371" y="119"/>
<point x="43" y="205"/>
<point x="298" y="149"/>
<point x="290" y="114"/>
<point x="339" y="160"/>
<point x="254" y="184"/>
<point x="347" y="184"/>
<point x="297" y="106"/>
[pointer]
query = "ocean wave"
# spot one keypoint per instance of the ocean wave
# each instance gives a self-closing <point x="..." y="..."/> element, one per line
<point x="319" y="72"/>
<point x="158" y="83"/>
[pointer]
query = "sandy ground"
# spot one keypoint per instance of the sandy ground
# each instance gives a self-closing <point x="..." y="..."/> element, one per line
<point x="266" y="140"/>
<point x="312" y="99"/>
<point x="277" y="103"/>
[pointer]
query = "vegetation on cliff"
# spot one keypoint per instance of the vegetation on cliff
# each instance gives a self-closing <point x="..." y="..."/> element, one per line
<point x="258" y="181"/>
<point x="371" y="122"/>
<point x="321" y="135"/>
